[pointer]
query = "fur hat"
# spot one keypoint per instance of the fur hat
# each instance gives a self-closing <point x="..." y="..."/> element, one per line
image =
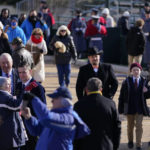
<point x="61" y="46"/>
<point x="135" y="65"/>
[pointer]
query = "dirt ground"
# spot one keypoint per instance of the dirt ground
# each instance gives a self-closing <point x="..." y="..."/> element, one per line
<point x="51" y="83"/>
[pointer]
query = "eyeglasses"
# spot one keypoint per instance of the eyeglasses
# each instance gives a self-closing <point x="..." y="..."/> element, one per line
<point x="63" y="31"/>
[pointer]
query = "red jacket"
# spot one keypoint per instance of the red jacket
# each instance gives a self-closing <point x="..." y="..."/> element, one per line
<point x="91" y="30"/>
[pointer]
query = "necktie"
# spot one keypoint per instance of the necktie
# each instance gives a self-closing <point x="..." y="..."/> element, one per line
<point x="135" y="83"/>
<point x="23" y="87"/>
<point x="7" y="75"/>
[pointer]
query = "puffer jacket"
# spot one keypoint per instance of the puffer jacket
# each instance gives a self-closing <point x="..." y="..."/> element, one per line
<point x="56" y="128"/>
<point x="64" y="58"/>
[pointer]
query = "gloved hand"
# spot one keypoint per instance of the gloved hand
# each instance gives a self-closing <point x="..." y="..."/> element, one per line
<point x="27" y="96"/>
<point x="41" y="51"/>
<point x="75" y="60"/>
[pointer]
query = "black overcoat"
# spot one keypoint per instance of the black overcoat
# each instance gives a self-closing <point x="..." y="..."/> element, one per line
<point x="105" y="74"/>
<point x="101" y="116"/>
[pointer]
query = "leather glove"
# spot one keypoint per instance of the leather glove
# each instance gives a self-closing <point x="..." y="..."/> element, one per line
<point x="27" y="96"/>
<point x="41" y="51"/>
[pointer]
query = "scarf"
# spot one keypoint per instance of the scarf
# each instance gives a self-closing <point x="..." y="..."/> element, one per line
<point x="35" y="40"/>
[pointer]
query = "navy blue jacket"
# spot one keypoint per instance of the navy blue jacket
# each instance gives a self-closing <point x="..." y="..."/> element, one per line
<point x="39" y="91"/>
<point x="125" y="105"/>
<point x="11" y="126"/>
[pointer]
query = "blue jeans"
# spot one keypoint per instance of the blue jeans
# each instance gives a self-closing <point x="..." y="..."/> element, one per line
<point x="64" y="72"/>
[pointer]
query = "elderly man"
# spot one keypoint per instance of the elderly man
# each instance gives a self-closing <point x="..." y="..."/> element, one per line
<point x="12" y="134"/>
<point x="96" y="69"/>
<point x="101" y="116"/>
<point x="6" y="70"/>
<point x="58" y="127"/>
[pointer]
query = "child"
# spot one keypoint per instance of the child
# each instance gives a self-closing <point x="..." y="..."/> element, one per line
<point x="132" y="103"/>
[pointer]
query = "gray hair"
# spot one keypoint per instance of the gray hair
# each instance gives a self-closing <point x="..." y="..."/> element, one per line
<point x="6" y="55"/>
<point x="94" y="84"/>
<point x="66" y="102"/>
<point x="3" y="80"/>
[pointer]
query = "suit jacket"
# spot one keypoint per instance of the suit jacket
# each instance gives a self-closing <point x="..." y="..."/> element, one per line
<point x="101" y="116"/>
<point x="15" y="80"/>
<point x="126" y="104"/>
<point x="105" y="74"/>
<point x="12" y="132"/>
<point x="37" y="90"/>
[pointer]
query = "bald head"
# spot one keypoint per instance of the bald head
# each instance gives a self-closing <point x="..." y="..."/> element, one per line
<point x="6" y="62"/>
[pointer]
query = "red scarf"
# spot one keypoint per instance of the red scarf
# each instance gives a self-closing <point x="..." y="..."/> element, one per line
<point x="35" y="40"/>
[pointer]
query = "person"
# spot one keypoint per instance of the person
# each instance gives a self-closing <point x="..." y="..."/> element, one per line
<point x="94" y="33"/>
<point x="4" y="16"/>
<point x="136" y="43"/>
<point x="20" y="55"/>
<point x="106" y="128"/>
<point x="110" y="23"/>
<point x="95" y="69"/>
<point x="64" y="49"/>
<point x="123" y="23"/>
<point x="7" y="70"/>
<point x="29" y="84"/>
<point x="146" y="30"/>
<point x="15" y="31"/>
<point x="12" y="131"/>
<point x="32" y="22"/>
<point x="144" y="10"/>
<point x="78" y="27"/>
<point x="58" y="127"/>
<point x="94" y="12"/>
<point x="37" y="47"/>
<point x="22" y="17"/>
<point x="4" y="43"/>
<point x="132" y="103"/>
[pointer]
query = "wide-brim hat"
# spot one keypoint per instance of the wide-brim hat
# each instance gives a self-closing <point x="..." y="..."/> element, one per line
<point x="94" y="51"/>
<point x="61" y="92"/>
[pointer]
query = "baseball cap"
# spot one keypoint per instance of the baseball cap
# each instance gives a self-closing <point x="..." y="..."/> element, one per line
<point x="61" y="92"/>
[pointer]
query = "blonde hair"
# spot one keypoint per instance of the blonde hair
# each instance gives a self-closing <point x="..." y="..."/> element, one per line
<point x="37" y="31"/>
<point x="63" y="27"/>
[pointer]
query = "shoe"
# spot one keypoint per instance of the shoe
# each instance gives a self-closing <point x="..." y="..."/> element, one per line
<point x="130" y="144"/>
<point x="138" y="148"/>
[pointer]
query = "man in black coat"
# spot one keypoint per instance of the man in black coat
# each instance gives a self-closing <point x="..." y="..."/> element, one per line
<point x="95" y="69"/>
<point x="29" y="84"/>
<point x="101" y="116"/>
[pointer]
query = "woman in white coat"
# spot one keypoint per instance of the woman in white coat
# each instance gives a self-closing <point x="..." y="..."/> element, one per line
<point x="37" y="46"/>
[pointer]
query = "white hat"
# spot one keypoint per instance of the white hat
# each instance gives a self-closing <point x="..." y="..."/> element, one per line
<point x="105" y="11"/>
<point x="126" y="14"/>
<point x="95" y="16"/>
<point x="1" y="25"/>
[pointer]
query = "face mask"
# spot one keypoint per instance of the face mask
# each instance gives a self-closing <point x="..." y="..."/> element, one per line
<point x="13" y="24"/>
<point x="33" y="18"/>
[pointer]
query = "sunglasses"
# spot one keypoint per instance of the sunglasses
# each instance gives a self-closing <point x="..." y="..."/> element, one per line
<point x="63" y="31"/>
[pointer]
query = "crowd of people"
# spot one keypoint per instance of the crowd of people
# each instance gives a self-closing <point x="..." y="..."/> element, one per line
<point x="93" y="122"/>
